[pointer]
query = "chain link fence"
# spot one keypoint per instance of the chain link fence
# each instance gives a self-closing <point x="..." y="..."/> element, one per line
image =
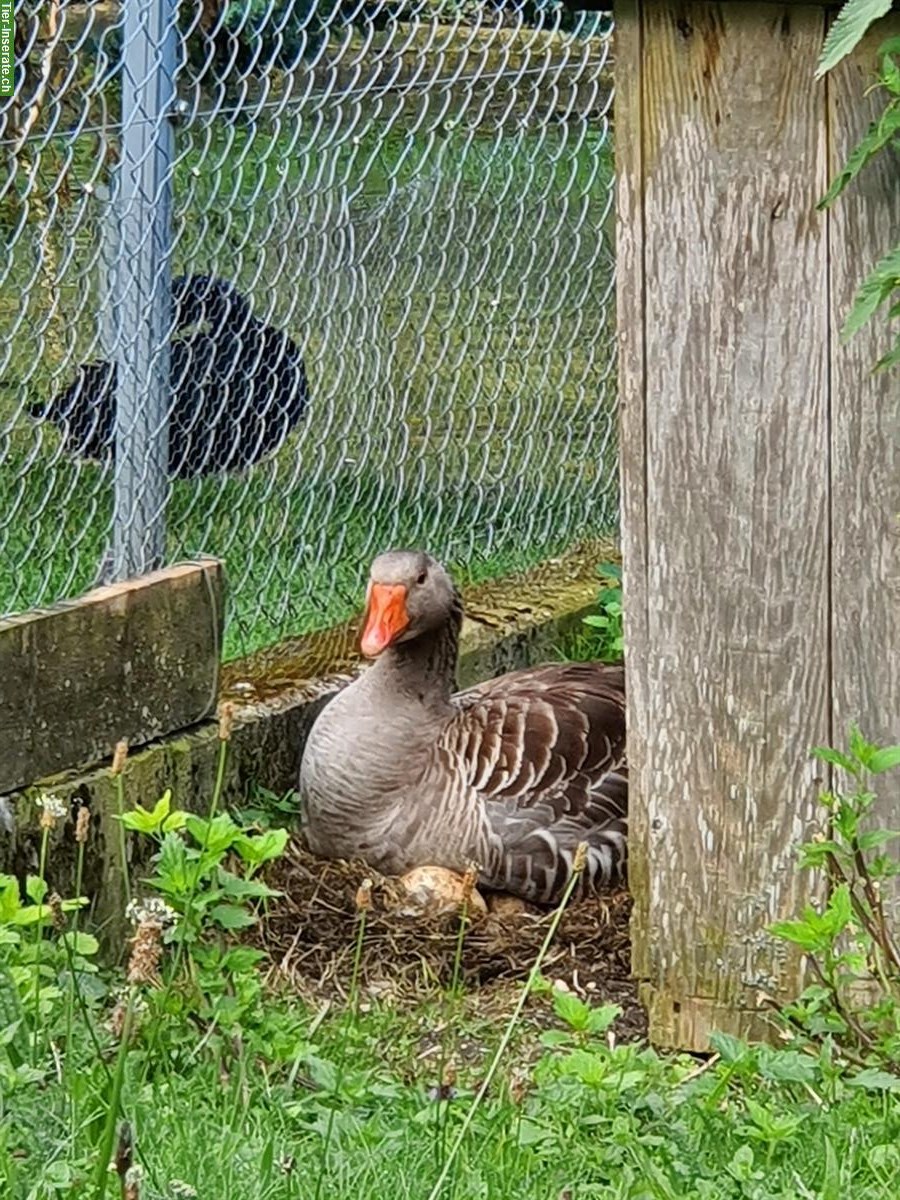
<point x="288" y="281"/>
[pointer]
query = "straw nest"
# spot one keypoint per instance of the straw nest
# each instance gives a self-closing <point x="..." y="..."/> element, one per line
<point x="311" y="930"/>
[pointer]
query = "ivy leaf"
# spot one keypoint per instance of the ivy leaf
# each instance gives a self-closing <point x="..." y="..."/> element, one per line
<point x="848" y="30"/>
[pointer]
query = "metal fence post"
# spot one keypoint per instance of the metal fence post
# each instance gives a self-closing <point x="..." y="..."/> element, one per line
<point x="142" y="287"/>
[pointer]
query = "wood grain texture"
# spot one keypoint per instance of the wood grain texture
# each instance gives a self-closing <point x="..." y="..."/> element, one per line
<point x="732" y="676"/>
<point x="865" y="454"/>
<point x="135" y="660"/>
<point x="630" y="342"/>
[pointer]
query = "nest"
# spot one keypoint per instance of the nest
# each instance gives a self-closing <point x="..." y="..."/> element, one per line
<point x="311" y="930"/>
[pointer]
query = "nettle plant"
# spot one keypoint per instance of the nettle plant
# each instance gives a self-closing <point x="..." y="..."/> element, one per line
<point x="882" y="285"/>
<point x="851" y="942"/>
<point x="204" y="867"/>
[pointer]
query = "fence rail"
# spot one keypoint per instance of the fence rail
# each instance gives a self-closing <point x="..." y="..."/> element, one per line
<point x="288" y="286"/>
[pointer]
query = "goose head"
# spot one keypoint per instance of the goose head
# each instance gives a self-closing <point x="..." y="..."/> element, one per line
<point x="409" y="594"/>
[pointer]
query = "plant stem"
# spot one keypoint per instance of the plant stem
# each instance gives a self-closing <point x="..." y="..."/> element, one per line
<point x="70" y="1003"/>
<point x="442" y="1113"/>
<point x="123" y="843"/>
<point x="507" y="1035"/>
<point x="180" y="945"/>
<point x="101" y="1174"/>
<point x="339" y="1074"/>
<point x="38" y="946"/>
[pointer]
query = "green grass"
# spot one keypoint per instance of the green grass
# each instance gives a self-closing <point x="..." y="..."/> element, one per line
<point x="447" y="287"/>
<point x="617" y="1124"/>
<point x="232" y="1089"/>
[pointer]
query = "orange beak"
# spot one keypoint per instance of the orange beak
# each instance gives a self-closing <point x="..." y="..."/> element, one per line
<point x="386" y="617"/>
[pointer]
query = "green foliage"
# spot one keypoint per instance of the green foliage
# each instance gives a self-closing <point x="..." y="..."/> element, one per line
<point x="883" y="281"/>
<point x="35" y="974"/>
<point x="848" y="30"/>
<point x="204" y="868"/>
<point x="608" y="642"/>
<point x="854" y="1004"/>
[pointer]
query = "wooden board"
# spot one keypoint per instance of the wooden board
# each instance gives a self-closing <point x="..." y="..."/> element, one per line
<point x="134" y="660"/>
<point x="630" y="339"/>
<point x="865" y="446"/>
<point x="726" y="485"/>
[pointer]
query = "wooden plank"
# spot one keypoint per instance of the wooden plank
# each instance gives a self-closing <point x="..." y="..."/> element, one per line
<point x="733" y="676"/>
<point x="134" y="660"/>
<point x="630" y="342"/>
<point x="865" y="448"/>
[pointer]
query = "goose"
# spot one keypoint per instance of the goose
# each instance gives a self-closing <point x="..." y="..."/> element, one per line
<point x="239" y="387"/>
<point x="403" y="771"/>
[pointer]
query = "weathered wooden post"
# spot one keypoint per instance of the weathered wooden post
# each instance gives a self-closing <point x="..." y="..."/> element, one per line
<point x="761" y="481"/>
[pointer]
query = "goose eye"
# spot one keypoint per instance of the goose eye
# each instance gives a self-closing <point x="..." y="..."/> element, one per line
<point x="422" y="577"/>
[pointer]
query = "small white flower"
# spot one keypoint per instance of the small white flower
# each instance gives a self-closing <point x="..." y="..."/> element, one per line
<point x="52" y="807"/>
<point x="152" y="911"/>
<point x="134" y="1175"/>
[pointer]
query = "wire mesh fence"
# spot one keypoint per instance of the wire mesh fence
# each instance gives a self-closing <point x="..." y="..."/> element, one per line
<point x="288" y="282"/>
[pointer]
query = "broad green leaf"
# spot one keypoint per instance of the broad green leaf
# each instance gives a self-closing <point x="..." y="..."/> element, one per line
<point x="877" y="837"/>
<point x="261" y="848"/>
<point x="848" y="30"/>
<point x="835" y="758"/>
<point x="883" y="760"/>
<point x="590" y="1068"/>
<point x="786" y="1066"/>
<point x="36" y="888"/>
<point x="215" y="836"/>
<point x="571" y="1009"/>
<point x="801" y="933"/>
<point x="138" y="820"/>
<point x="555" y="1037"/>
<point x="601" y="1018"/>
<point x="890" y="72"/>
<point x="729" y="1049"/>
<point x="242" y="889"/>
<point x="532" y="1134"/>
<point x="873" y="1080"/>
<point x="229" y="916"/>
<point x="875" y="289"/>
<point x="861" y="749"/>
<point x="839" y="910"/>
<point x="163" y="806"/>
<point x="10" y="900"/>
<point x="888" y="361"/>
<point x="83" y="944"/>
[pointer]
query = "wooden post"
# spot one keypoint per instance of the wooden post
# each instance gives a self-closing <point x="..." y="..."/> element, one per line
<point x="761" y="488"/>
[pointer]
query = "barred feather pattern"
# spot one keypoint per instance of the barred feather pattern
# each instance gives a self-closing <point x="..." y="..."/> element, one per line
<point x="513" y="774"/>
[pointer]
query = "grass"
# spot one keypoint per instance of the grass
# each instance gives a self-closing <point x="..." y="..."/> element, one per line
<point x="247" y="1119"/>
<point x="462" y="398"/>
<point x="230" y="1086"/>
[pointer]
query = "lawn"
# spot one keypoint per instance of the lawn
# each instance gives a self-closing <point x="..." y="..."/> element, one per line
<point x="265" y="1038"/>
<point x="451" y="285"/>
